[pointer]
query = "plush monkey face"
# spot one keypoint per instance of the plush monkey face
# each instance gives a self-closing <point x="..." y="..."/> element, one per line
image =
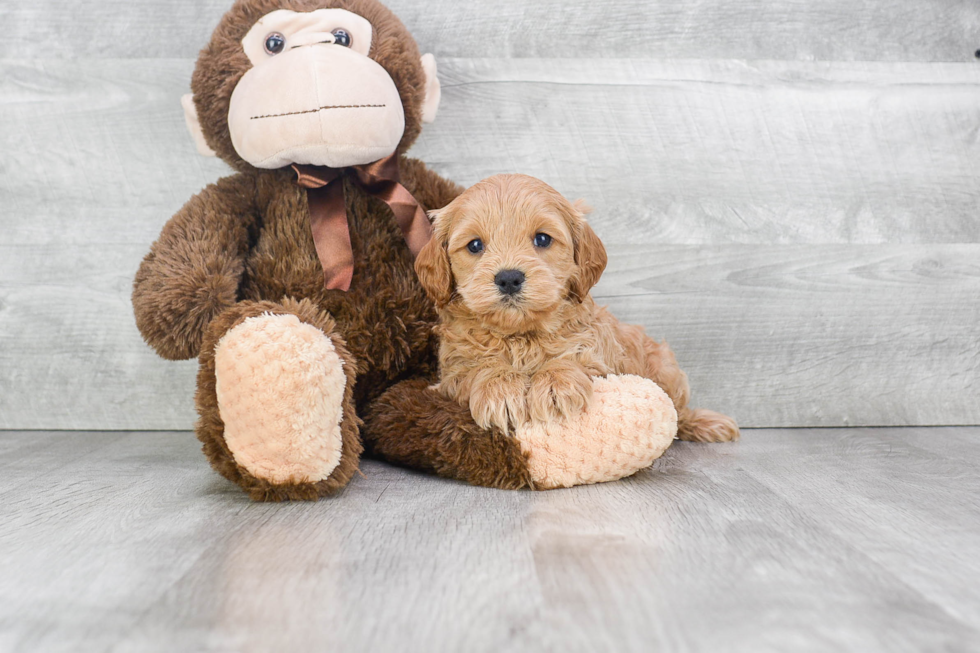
<point x="334" y="83"/>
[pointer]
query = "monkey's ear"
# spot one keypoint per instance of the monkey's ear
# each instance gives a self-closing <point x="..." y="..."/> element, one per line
<point x="590" y="259"/>
<point x="433" y="91"/>
<point x="194" y="125"/>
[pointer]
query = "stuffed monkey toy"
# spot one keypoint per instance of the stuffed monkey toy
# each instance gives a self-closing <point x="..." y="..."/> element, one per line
<point x="292" y="280"/>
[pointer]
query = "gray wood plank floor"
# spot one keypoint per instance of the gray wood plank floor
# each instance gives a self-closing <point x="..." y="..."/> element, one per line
<point x="791" y="540"/>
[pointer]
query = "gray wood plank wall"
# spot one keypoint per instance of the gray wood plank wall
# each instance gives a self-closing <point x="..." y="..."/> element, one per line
<point x="788" y="189"/>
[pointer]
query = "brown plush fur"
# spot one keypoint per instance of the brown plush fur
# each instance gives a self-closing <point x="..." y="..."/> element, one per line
<point x="530" y="356"/>
<point x="413" y="425"/>
<point x="243" y="246"/>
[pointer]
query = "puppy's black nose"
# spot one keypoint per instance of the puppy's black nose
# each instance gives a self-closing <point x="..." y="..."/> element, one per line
<point x="509" y="282"/>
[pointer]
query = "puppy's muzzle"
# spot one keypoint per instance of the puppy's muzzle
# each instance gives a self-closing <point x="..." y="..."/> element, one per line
<point x="509" y="282"/>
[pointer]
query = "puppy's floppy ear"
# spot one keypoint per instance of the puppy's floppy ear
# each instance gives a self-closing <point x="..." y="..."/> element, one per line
<point x="432" y="265"/>
<point x="590" y="255"/>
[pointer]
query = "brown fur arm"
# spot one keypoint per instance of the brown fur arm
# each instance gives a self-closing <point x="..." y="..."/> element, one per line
<point x="193" y="270"/>
<point x="431" y="190"/>
<point x="415" y="426"/>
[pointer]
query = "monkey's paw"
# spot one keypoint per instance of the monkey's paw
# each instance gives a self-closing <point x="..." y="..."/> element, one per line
<point x="280" y="387"/>
<point x="628" y="425"/>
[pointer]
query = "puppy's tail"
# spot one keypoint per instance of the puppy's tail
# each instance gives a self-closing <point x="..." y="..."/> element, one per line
<point x="700" y="425"/>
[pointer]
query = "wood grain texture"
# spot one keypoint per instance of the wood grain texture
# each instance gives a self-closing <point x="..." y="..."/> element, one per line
<point x="773" y="335"/>
<point x="71" y="352"/>
<point x="812" y="335"/>
<point x="843" y="30"/>
<point x="869" y="506"/>
<point x="722" y="152"/>
<point x="97" y="151"/>
<point x="792" y="540"/>
<point x="671" y="152"/>
<point x="813" y="225"/>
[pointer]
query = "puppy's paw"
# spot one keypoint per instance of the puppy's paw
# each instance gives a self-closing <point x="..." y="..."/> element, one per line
<point x="561" y="389"/>
<point x="499" y="400"/>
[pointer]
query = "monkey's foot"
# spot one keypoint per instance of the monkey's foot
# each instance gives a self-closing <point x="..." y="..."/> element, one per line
<point x="280" y="387"/>
<point x="630" y="423"/>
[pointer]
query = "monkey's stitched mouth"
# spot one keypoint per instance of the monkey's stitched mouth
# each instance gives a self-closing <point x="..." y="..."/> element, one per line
<point x="329" y="106"/>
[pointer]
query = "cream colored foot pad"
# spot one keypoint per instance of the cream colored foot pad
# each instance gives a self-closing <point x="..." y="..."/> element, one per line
<point x="630" y="424"/>
<point x="280" y="387"/>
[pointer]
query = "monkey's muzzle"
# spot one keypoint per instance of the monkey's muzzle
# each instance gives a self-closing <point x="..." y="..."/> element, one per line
<point x="319" y="105"/>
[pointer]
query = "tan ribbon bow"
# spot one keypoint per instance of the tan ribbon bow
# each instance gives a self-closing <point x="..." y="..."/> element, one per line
<point x="328" y="213"/>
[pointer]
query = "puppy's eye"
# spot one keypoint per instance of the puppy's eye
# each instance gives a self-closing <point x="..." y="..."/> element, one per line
<point x="274" y="43"/>
<point x="475" y="246"/>
<point x="542" y="240"/>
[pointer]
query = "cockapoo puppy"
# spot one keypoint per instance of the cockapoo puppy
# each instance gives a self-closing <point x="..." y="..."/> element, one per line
<point x="509" y="267"/>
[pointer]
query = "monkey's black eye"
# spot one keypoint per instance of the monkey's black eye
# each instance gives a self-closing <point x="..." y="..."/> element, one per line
<point x="542" y="240"/>
<point x="342" y="37"/>
<point x="475" y="246"/>
<point x="274" y="43"/>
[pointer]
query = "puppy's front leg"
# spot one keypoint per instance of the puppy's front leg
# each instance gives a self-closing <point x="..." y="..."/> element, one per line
<point x="498" y="397"/>
<point x="561" y="388"/>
